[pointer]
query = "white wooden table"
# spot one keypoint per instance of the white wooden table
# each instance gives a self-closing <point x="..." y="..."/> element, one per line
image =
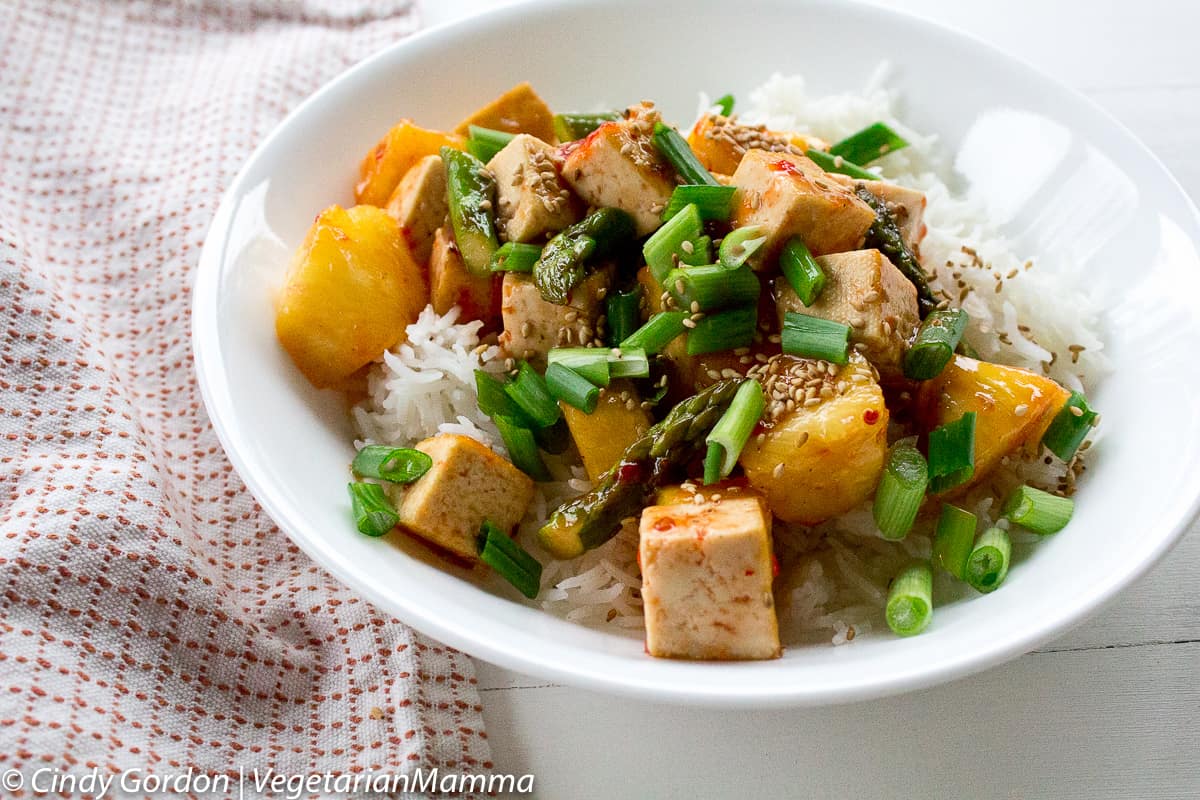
<point x="1112" y="709"/>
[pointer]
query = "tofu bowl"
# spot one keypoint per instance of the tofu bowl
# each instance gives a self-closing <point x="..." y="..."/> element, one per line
<point x="1055" y="179"/>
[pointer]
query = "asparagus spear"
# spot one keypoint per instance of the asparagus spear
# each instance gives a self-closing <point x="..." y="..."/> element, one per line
<point x="592" y="519"/>
<point x="562" y="265"/>
<point x="885" y="236"/>
<point x="472" y="191"/>
<point x="569" y="127"/>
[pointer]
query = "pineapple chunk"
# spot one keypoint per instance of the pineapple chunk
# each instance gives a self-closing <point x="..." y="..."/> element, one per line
<point x="819" y="460"/>
<point x="719" y="142"/>
<point x="603" y="436"/>
<point x="351" y="291"/>
<point x="452" y="284"/>
<point x="420" y="205"/>
<point x="1013" y="407"/>
<point x="519" y="110"/>
<point x="789" y="195"/>
<point x="395" y="154"/>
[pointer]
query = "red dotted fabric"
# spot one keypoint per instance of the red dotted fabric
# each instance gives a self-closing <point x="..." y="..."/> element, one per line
<point x="151" y="615"/>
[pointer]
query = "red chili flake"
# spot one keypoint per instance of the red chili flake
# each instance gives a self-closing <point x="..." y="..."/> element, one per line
<point x="749" y="572"/>
<point x="871" y="416"/>
<point x="783" y="165"/>
<point x="629" y="472"/>
<point x="774" y="566"/>
<point x="664" y="524"/>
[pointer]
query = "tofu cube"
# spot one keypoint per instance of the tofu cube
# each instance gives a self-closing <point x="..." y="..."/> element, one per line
<point x="907" y="205"/>
<point x="467" y="484"/>
<point x="618" y="166"/>
<point x="864" y="290"/>
<point x="532" y="325"/>
<point x="452" y="284"/>
<point x="707" y="570"/>
<point x="532" y="200"/>
<point x="420" y="205"/>
<point x="789" y="195"/>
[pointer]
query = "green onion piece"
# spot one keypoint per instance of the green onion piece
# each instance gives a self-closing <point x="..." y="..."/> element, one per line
<point x="483" y="143"/>
<point x="725" y="103"/>
<point x="801" y="270"/>
<point x="619" y="362"/>
<point x="725" y="330"/>
<point x="1070" y="427"/>
<point x="554" y="439"/>
<point x="572" y="388"/>
<point x="733" y="429"/>
<point x="572" y="126"/>
<point x="910" y="600"/>
<point x="813" y="337"/>
<point x="530" y="394"/>
<point x="713" y="459"/>
<point x="515" y="257"/>
<point x="664" y="249"/>
<point x="631" y="363"/>
<point x="373" y="512"/>
<point x="989" y="560"/>
<point x="713" y="286"/>
<point x="1038" y="511"/>
<point x="493" y="400"/>
<point x="622" y="310"/>
<point x="658" y="332"/>
<point x="934" y="346"/>
<point x="952" y="453"/>
<point x="715" y="203"/>
<point x="522" y="448"/>
<point x="511" y="561"/>
<point x="901" y="490"/>
<point x="677" y="151"/>
<point x="700" y="254"/>
<point x="952" y="543"/>
<point x="739" y="245"/>
<point x="872" y="142"/>
<point x="840" y="165"/>
<point x="395" y="464"/>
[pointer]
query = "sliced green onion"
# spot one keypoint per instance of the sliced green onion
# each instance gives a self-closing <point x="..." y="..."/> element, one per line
<point x="713" y="286"/>
<point x="373" y="512"/>
<point x="989" y="560"/>
<point x="515" y="257"/>
<point x="530" y="394"/>
<point x="952" y="453"/>
<point x="572" y="388"/>
<point x="725" y="330"/>
<point x="801" y="270"/>
<point x="511" y="561"/>
<point x="840" y="165"/>
<point x="910" y="600"/>
<point x="483" y="143"/>
<point x="1038" y="511"/>
<point x="733" y="429"/>
<point x="701" y="252"/>
<point x="872" y="142"/>
<point x="658" y="332"/>
<point x="813" y="337"/>
<point x="1070" y="427"/>
<point x="622" y="310"/>
<point x="677" y="151"/>
<point x="952" y="543"/>
<point x="739" y="244"/>
<point x="493" y="400"/>
<point x="572" y="126"/>
<point x="522" y="448"/>
<point x="901" y="490"/>
<point x="715" y="203"/>
<point x="713" y="459"/>
<point x="631" y="363"/>
<point x="600" y="364"/>
<point x="395" y="464"/>
<point x="934" y="346"/>
<point x="725" y="103"/>
<point x="664" y="249"/>
<point x="554" y="439"/>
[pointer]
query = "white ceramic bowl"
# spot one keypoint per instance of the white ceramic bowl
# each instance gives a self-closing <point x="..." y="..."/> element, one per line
<point x="1071" y="182"/>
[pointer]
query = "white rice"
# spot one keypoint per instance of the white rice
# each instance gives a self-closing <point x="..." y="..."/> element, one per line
<point x="835" y="576"/>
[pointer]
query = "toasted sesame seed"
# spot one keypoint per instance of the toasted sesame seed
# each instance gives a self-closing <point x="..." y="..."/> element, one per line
<point x="1021" y="409"/>
<point x="1077" y="411"/>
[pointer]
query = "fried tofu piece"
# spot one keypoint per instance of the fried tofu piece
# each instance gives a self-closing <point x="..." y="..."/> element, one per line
<point x="719" y="142"/>
<point x="420" y="205"/>
<point x="618" y="166"/>
<point x="452" y="284"/>
<point x="707" y="570"/>
<point x="907" y="206"/>
<point x="519" y="110"/>
<point x="864" y="290"/>
<point x="788" y="195"/>
<point x="532" y="199"/>
<point x="467" y="484"/>
<point x="532" y="325"/>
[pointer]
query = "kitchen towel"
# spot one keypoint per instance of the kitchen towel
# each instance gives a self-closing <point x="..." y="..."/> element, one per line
<point x="152" y="616"/>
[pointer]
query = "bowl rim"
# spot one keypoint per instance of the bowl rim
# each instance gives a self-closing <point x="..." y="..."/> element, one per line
<point x="214" y="392"/>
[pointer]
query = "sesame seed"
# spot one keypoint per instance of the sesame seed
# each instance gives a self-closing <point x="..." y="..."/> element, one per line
<point x="1021" y="409"/>
<point x="1077" y="411"/>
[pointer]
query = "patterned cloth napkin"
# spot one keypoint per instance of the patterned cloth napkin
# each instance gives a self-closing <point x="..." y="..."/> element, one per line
<point x="151" y="615"/>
